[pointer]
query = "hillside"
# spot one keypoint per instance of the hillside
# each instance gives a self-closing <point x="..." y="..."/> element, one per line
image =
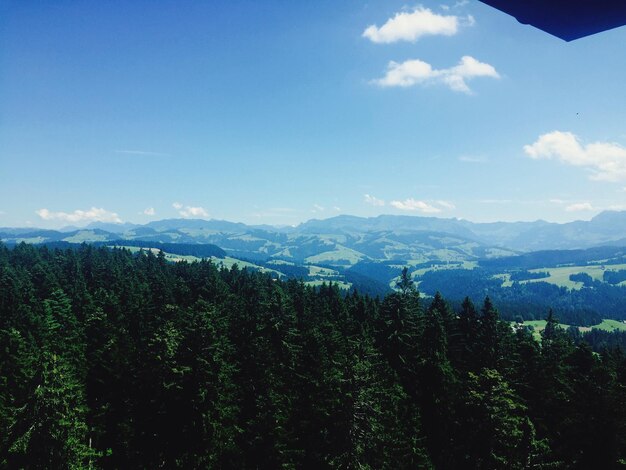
<point x="113" y="359"/>
<point x="385" y="237"/>
<point x="456" y="257"/>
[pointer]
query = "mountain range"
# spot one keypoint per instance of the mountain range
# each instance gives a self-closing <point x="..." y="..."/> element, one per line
<point x="577" y="268"/>
<point x="346" y="240"/>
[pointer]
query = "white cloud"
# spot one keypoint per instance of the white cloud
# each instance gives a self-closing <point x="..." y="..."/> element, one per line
<point x="578" y="207"/>
<point x="417" y="72"/>
<point x="411" y="204"/>
<point x="605" y="160"/>
<point x="149" y="211"/>
<point x="317" y="208"/>
<point x="92" y="215"/>
<point x="410" y="26"/>
<point x="337" y="208"/>
<point x="189" y="212"/>
<point x="373" y="201"/>
<point x="456" y="5"/>
<point x="446" y="205"/>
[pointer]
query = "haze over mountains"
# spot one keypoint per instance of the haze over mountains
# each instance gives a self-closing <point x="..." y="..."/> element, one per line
<point x="346" y="240"/>
<point x="578" y="269"/>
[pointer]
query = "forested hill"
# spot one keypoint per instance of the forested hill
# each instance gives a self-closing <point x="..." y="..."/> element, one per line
<point x="113" y="360"/>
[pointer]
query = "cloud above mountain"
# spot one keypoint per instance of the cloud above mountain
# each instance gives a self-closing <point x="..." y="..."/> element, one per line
<point x="606" y="161"/>
<point x="414" y="205"/>
<point x="579" y="207"/>
<point x="373" y="200"/>
<point x="94" y="214"/>
<point x="190" y="212"/>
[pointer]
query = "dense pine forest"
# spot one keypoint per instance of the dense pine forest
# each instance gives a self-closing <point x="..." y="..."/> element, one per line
<point x="116" y="360"/>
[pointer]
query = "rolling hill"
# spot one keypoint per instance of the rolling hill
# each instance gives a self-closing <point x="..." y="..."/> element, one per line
<point x="577" y="267"/>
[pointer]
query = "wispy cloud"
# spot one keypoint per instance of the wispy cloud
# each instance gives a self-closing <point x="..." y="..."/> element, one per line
<point x="579" y="207"/>
<point x="495" y="201"/>
<point x="189" y="212"/>
<point x="411" y="204"/>
<point x="149" y="211"/>
<point x="605" y="160"/>
<point x="282" y="212"/>
<point x="473" y="159"/>
<point x="446" y="204"/>
<point x="412" y="25"/>
<point x="417" y="72"/>
<point x="142" y="153"/>
<point x="373" y="201"/>
<point x="317" y="208"/>
<point x="91" y="215"/>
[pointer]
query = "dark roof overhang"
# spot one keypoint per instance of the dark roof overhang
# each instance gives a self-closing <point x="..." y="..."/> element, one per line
<point x="566" y="19"/>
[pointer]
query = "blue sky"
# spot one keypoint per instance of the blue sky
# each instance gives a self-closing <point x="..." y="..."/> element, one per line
<point x="281" y="111"/>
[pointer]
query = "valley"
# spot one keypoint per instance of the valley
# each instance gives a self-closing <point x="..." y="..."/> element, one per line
<point x="584" y="284"/>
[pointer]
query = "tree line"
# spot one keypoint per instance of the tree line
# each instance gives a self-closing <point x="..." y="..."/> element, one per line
<point x="110" y="359"/>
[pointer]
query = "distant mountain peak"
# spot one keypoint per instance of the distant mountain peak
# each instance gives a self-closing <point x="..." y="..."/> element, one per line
<point x="383" y="235"/>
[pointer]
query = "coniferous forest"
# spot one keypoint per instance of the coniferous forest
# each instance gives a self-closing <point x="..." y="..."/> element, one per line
<point x="116" y="360"/>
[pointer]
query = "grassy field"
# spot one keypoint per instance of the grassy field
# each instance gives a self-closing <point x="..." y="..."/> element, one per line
<point x="505" y="278"/>
<point x="439" y="267"/>
<point x="606" y="325"/>
<point x="168" y="256"/>
<point x="229" y="262"/>
<point x="226" y="262"/>
<point x="85" y="236"/>
<point x="538" y="327"/>
<point x="341" y="255"/>
<point x="322" y="272"/>
<point x="560" y="276"/>
<point x="341" y="284"/>
<point x="280" y="262"/>
<point x="30" y="240"/>
<point x="611" y="325"/>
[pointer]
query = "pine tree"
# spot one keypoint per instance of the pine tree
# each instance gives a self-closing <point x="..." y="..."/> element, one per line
<point x="398" y="333"/>
<point x="51" y="431"/>
<point x="55" y="432"/>
<point x="463" y="349"/>
<point x="496" y="431"/>
<point x="437" y="382"/>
